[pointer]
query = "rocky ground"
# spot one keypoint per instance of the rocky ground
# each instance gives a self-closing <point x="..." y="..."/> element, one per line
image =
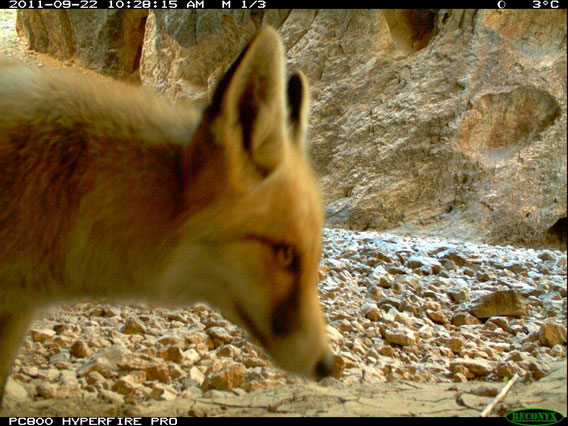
<point x="419" y="326"/>
<point x="404" y="314"/>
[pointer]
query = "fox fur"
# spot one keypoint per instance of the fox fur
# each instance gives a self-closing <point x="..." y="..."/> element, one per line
<point x="111" y="191"/>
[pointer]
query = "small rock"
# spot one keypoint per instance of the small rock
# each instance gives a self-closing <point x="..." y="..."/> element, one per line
<point x="538" y="370"/>
<point x="437" y="316"/>
<point x="485" y="390"/>
<point x="456" y="344"/>
<point x="31" y="371"/>
<point x="462" y="369"/>
<point x="80" y="349"/>
<point x="60" y="357"/>
<point x="228" y="351"/>
<point x="387" y="350"/>
<point x="99" y="365"/>
<point x="385" y="281"/>
<point x="94" y="377"/>
<point x="459" y="295"/>
<point x="427" y="265"/>
<point x="219" y="335"/>
<point x="500" y="322"/>
<point x="174" y="354"/>
<point x="42" y="335"/>
<point x="386" y="302"/>
<point x="161" y="392"/>
<point x="454" y="256"/>
<point x="175" y="371"/>
<point x="197" y="338"/>
<point x="557" y="351"/>
<point x="459" y="378"/>
<point x="502" y="302"/>
<point x="49" y="374"/>
<point x="516" y="267"/>
<point x="450" y="265"/>
<point x="15" y="391"/>
<point x="63" y="329"/>
<point x="396" y="270"/>
<point x="133" y="326"/>
<point x="372" y="312"/>
<point x="133" y="361"/>
<point x="551" y="334"/>
<point x="158" y="371"/>
<point x="400" y="336"/>
<point x="463" y="318"/>
<point x="126" y="385"/>
<point x="374" y="293"/>
<point x="338" y="367"/>
<point x="546" y="255"/>
<point x="173" y="341"/>
<point x="46" y="390"/>
<point x="229" y="377"/>
<point x="334" y="335"/>
<point x="196" y="375"/>
<point x="507" y="369"/>
<point x="478" y="367"/>
<point x="192" y="356"/>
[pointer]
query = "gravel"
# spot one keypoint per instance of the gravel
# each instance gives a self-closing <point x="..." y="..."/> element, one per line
<point x="398" y="308"/>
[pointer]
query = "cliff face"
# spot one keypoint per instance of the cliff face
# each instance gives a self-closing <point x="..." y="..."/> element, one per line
<point x="450" y="123"/>
<point x="108" y="41"/>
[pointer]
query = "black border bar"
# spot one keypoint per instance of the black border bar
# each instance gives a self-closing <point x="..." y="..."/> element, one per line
<point x="281" y="4"/>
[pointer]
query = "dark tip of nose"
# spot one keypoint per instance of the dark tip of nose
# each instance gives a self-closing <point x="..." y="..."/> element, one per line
<point x="324" y="366"/>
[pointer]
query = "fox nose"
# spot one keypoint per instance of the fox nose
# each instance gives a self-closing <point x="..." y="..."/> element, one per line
<point x="324" y="366"/>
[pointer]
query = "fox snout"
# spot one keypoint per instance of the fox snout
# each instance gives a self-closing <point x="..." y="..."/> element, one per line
<point x="296" y="340"/>
<point x="324" y="367"/>
<point x="306" y="353"/>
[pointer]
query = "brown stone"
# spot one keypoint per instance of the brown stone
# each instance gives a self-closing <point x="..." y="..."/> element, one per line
<point x="479" y="367"/>
<point x="502" y="302"/>
<point x="133" y="326"/>
<point x="551" y="334"/>
<point x="174" y="354"/>
<point x="229" y="377"/>
<point x="80" y="349"/>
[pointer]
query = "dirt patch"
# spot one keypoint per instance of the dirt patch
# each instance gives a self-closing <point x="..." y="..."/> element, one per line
<point x="420" y="399"/>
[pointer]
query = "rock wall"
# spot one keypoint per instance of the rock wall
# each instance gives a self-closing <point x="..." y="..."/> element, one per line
<point x="448" y="122"/>
<point x="108" y="41"/>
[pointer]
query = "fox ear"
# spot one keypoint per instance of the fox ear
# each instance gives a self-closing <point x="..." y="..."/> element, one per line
<point x="248" y="109"/>
<point x="298" y="97"/>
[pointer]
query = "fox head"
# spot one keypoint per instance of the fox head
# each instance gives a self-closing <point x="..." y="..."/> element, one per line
<point x="251" y="236"/>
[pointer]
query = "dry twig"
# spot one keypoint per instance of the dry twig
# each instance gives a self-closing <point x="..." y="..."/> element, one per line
<point x="499" y="396"/>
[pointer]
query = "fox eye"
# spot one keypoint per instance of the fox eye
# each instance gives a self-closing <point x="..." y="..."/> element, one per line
<point x="286" y="256"/>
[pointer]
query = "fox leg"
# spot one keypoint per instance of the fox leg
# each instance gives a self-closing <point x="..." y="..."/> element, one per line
<point x="13" y="327"/>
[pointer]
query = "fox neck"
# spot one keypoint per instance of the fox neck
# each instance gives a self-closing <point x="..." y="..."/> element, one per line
<point x="124" y="233"/>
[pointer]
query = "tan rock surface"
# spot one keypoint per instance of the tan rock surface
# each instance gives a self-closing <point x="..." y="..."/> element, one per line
<point x="446" y="122"/>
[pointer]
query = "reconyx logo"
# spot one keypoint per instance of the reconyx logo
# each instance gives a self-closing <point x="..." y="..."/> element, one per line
<point x="534" y="416"/>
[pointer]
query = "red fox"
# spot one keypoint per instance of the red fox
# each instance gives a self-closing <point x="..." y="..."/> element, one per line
<point x="111" y="191"/>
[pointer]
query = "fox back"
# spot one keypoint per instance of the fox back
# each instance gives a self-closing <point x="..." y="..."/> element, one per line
<point x="109" y="190"/>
